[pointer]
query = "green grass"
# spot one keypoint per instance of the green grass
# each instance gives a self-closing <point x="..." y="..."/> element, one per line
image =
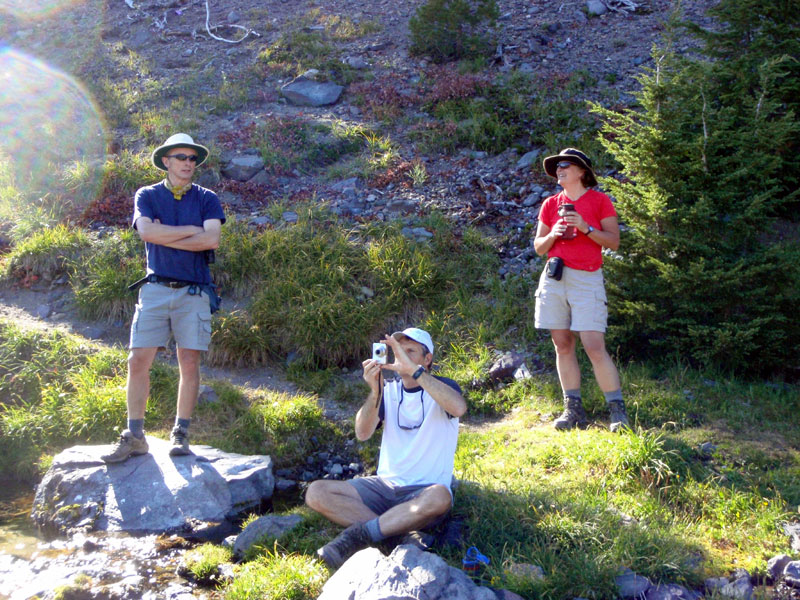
<point x="277" y="576"/>
<point x="203" y="561"/>
<point x="579" y="504"/>
<point x="311" y="42"/>
<point x="333" y="289"/>
<point x="300" y="49"/>
<point x="56" y="389"/>
<point x="101" y="284"/>
<point x="295" y="143"/>
<point x="517" y="109"/>
<point x="46" y="254"/>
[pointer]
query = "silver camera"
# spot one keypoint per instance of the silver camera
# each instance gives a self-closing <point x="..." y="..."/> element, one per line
<point x="379" y="352"/>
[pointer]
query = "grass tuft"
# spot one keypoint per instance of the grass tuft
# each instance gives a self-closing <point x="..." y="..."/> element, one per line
<point x="101" y="285"/>
<point x="278" y="577"/>
<point x="203" y="562"/>
<point x="46" y="255"/>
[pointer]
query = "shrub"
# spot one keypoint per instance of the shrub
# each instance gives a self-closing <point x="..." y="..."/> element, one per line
<point x="517" y="108"/>
<point x="452" y="29"/>
<point x="298" y="50"/>
<point x="292" y="143"/>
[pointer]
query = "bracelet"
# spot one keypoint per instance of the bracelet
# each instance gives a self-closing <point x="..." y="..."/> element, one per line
<point x="418" y="373"/>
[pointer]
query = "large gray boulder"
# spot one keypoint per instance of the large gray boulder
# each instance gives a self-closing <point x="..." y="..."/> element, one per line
<point x="243" y="167"/>
<point x="151" y="493"/>
<point x="303" y="91"/>
<point x="407" y="573"/>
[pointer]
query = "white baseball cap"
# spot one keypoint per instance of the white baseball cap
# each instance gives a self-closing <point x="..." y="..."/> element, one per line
<point x="418" y="335"/>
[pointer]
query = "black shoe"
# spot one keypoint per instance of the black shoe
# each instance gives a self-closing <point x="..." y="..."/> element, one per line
<point x="453" y="534"/>
<point x="344" y="545"/>
<point x="573" y="416"/>
<point x="418" y="539"/>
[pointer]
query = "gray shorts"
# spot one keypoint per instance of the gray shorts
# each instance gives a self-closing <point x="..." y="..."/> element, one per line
<point x="576" y="302"/>
<point x="162" y="310"/>
<point x="379" y="496"/>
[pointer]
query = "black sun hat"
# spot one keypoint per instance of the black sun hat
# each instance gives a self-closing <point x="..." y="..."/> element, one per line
<point x="574" y="156"/>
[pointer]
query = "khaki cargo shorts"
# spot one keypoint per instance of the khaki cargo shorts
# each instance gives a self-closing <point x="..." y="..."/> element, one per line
<point x="162" y="311"/>
<point x="577" y="302"/>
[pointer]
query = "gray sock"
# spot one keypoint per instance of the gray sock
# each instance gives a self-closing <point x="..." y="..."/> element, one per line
<point x="615" y="396"/>
<point x="576" y="393"/>
<point x="136" y="427"/>
<point x="374" y="530"/>
<point x="183" y="423"/>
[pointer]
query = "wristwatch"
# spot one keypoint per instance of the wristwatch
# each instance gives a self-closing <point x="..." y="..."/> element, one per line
<point x="590" y="230"/>
<point x="418" y="373"/>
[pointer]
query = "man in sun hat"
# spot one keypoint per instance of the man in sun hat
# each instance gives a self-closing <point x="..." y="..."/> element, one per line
<point x="179" y="222"/>
<point x="419" y="413"/>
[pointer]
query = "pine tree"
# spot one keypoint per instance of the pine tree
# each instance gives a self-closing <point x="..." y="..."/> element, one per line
<point x="754" y="39"/>
<point x="701" y="274"/>
<point x="452" y="29"/>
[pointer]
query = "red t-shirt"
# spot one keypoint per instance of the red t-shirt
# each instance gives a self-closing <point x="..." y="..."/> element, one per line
<point x="580" y="252"/>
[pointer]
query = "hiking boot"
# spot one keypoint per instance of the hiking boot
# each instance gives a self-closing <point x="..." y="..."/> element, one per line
<point x="573" y="415"/>
<point x="344" y="545"/>
<point x="180" y="441"/>
<point x="619" y="416"/>
<point x="418" y="539"/>
<point x="127" y="445"/>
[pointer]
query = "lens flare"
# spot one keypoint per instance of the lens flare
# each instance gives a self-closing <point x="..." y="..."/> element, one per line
<point x="34" y="9"/>
<point x="47" y="124"/>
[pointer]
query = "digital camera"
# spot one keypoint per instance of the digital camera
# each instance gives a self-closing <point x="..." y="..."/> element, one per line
<point x="379" y="352"/>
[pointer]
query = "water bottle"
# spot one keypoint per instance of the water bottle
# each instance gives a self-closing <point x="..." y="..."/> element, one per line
<point x="571" y="230"/>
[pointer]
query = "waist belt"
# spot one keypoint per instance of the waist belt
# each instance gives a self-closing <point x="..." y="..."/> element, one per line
<point x="169" y="282"/>
<point x="166" y="281"/>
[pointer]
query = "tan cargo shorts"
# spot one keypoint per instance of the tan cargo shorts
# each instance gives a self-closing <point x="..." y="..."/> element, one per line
<point x="163" y="311"/>
<point x="576" y="302"/>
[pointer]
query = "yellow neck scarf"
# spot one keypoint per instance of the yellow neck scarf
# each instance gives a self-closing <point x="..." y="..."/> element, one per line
<point x="178" y="192"/>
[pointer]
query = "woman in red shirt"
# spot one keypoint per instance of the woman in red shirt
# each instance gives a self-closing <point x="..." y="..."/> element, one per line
<point x="574" y="226"/>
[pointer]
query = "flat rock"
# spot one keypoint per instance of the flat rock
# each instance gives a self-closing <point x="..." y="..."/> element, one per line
<point x="152" y="493"/>
<point x="273" y="526"/>
<point x="303" y="91"/>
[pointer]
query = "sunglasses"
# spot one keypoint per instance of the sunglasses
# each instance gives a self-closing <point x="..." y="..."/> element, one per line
<point x="407" y="426"/>
<point x="183" y="157"/>
<point x="564" y="164"/>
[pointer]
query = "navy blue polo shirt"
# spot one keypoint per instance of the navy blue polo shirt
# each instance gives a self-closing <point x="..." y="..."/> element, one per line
<point x="196" y="206"/>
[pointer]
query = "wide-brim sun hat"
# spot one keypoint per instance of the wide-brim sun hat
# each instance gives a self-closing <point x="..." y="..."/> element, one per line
<point x="418" y="335"/>
<point x="574" y="156"/>
<point x="179" y="140"/>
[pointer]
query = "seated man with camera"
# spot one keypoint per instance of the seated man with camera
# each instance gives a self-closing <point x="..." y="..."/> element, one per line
<point x="419" y="413"/>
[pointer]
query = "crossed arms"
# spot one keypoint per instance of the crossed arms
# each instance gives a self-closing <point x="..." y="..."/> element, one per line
<point x="180" y="237"/>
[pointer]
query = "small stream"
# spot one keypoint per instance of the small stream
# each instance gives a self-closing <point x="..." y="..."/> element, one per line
<point x="107" y="565"/>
